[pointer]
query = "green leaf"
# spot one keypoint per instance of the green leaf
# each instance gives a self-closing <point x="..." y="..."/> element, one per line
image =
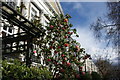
<point x="70" y="25"/>
<point x="68" y="16"/>
<point x="77" y="35"/>
<point x="74" y="30"/>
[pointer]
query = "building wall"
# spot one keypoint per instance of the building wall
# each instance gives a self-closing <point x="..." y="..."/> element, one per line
<point x="38" y="8"/>
<point x="89" y="66"/>
<point x="56" y="6"/>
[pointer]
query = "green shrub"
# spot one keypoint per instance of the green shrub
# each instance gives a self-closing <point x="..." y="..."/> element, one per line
<point x="17" y="71"/>
<point x="86" y="76"/>
<point x="95" y="76"/>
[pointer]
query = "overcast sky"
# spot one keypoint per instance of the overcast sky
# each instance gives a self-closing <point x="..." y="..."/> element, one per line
<point x="83" y="14"/>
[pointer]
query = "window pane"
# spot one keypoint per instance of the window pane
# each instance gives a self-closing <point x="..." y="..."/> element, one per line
<point x="10" y="29"/>
<point x="5" y="27"/>
<point x="11" y="4"/>
<point x="3" y="34"/>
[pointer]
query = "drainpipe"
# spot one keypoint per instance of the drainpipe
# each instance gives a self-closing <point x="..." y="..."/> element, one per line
<point x="85" y="65"/>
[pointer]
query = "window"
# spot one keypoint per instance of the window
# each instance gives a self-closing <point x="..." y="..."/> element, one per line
<point x="10" y="29"/>
<point x="33" y="13"/>
<point x="3" y="34"/>
<point x="5" y="27"/>
<point x="46" y="23"/>
<point x="11" y="3"/>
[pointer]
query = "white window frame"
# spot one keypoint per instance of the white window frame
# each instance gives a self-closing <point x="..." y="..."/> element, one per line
<point x="31" y="12"/>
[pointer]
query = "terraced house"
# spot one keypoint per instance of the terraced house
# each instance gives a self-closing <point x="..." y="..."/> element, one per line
<point x="18" y="31"/>
<point x="29" y="10"/>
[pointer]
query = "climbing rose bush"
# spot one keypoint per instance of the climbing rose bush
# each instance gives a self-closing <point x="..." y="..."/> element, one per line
<point x="62" y="54"/>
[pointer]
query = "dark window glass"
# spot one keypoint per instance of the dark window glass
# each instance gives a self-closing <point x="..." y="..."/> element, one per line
<point x="3" y="34"/>
<point x="12" y="4"/>
<point x="5" y="27"/>
<point x="33" y="13"/>
<point x="10" y="29"/>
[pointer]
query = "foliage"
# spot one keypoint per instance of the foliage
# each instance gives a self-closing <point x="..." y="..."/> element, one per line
<point x="104" y="66"/>
<point x="86" y="76"/>
<point x="59" y="49"/>
<point x="15" y="70"/>
<point x="110" y="29"/>
<point x="96" y="76"/>
<point x="113" y="12"/>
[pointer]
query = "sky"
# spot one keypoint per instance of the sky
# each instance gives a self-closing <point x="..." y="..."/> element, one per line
<point x="83" y="15"/>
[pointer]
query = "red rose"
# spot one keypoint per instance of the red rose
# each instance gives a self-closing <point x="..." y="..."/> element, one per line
<point x="69" y="32"/>
<point x="83" y="73"/>
<point x="63" y="55"/>
<point x="62" y="70"/>
<point x="65" y="20"/>
<point x="34" y="51"/>
<point x="55" y="52"/>
<point x="51" y="47"/>
<point x="80" y="67"/>
<point x="51" y="26"/>
<point x="59" y="47"/>
<point x="68" y="64"/>
<point x="77" y="76"/>
<point x="78" y="48"/>
<point x="48" y="59"/>
<point x="65" y="58"/>
<point x="66" y="45"/>
<point x="66" y="36"/>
